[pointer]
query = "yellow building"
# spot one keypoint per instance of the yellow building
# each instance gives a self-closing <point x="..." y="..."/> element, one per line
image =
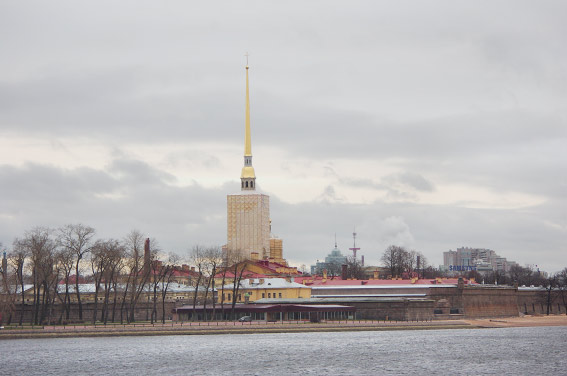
<point x="253" y="289"/>
<point x="248" y="212"/>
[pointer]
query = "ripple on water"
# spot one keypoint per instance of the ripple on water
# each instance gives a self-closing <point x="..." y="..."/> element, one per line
<point x="466" y="352"/>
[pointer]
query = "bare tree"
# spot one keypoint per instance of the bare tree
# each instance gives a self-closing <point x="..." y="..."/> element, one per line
<point x="77" y="239"/>
<point x="395" y="259"/>
<point x="334" y="269"/>
<point x="40" y="246"/>
<point x="562" y="287"/>
<point x="550" y="286"/>
<point x="106" y="256"/>
<point x="115" y="254"/>
<point x="224" y="271"/>
<point x="168" y="273"/>
<point x="65" y="261"/>
<point x="139" y="271"/>
<point x="8" y="289"/>
<point x="98" y="264"/>
<point x="238" y="261"/>
<point x="198" y="258"/>
<point x="18" y="258"/>
<point x="354" y="268"/>
<point x="213" y="258"/>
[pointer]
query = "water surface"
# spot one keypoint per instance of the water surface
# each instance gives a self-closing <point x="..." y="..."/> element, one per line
<point x="505" y="351"/>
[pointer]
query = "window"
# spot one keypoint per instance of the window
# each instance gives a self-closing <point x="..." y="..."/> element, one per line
<point x="228" y="296"/>
<point x="263" y="295"/>
<point x="280" y="295"/>
<point x="239" y="297"/>
<point x="246" y="184"/>
<point x="269" y="295"/>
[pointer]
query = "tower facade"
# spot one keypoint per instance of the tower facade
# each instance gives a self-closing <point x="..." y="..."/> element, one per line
<point x="248" y="212"/>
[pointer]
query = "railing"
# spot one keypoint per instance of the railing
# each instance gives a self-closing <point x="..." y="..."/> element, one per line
<point x="184" y="324"/>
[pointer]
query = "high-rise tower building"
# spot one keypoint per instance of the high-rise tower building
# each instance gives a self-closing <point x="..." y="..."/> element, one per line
<point x="248" y="212"/>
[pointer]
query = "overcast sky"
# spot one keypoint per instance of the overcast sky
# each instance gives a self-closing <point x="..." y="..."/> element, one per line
<point x="426" y="124"/>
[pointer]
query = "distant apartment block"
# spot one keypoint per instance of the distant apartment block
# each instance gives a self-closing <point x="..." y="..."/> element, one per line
<point x="482" y="260"/>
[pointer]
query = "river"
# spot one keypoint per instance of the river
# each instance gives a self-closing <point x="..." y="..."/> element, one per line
<point x="506" y="351"/>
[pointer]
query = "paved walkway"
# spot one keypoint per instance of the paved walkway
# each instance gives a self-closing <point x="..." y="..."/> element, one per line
<point x="220" y="327"/>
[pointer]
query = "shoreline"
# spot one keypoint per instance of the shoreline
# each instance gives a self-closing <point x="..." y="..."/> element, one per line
<point x="261" y="327"/>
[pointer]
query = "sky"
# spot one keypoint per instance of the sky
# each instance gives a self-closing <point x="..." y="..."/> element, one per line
<point x="430" y="125"/>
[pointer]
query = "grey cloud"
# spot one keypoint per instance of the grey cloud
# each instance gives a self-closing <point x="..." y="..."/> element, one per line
<point x="449" y="93"/>
<point x="177" y="216"/>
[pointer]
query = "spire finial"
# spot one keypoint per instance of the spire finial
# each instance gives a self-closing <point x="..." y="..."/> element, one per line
<point x="335" y="240"/>
<point x="246" y="54"/>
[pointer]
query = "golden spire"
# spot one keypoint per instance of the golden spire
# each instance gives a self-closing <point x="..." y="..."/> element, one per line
<point x="247" y="142"/>
<point x="247" y="177"/>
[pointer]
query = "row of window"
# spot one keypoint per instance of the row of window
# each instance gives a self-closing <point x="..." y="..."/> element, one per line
<point x="270" y="295"/>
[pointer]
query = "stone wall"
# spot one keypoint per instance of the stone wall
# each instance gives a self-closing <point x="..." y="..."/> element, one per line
<point x="533" y="301"/>
<point x="390" y="309"/>
<point x="142" y="313"/>
<point x="493" y="301"/>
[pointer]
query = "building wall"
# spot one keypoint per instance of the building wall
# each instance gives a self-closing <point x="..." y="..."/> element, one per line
<point x="261" y="293"/>
<point x="276" y="250"/>
<point x="248" y="224"/>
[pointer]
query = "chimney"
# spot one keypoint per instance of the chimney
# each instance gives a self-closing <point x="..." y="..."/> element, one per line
<point x="254" y="256"/>
<point x="344" y="272"/>
<point x="325" y="274"/>
<point x="147" y="252"/>
<point x="192" y="268"/>
<point x="251" y="281"/>
<point x="185" y="267"/>
<point x="376" y="274"/>
<point x="261" y="281"/>
<point x="4" y="265"/>
<point x="362" y="260"/>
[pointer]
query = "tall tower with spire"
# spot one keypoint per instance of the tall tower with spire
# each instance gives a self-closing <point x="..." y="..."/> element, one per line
<point x="248" y="212"/>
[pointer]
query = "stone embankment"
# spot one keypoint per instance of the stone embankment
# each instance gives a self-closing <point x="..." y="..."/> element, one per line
<point x="263" y="327"/>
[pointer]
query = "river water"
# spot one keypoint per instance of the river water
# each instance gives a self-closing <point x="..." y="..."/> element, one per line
<point x="506" y="351"/>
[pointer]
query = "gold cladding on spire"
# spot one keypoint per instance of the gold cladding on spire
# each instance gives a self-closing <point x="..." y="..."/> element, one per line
<point x="248" y="176"/>
<point x="247" y="142"/>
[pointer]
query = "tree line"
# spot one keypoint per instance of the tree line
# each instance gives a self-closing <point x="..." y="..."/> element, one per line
<point x="50" y="268"/>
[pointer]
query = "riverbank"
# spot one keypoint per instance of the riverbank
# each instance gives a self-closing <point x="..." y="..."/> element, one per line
<point x="263" y="327"/>
<point x="523" y="321"/>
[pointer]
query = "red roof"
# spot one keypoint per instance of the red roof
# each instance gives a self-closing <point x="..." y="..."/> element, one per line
<point x="245" y="274"/>
<point x="73" y="280"/>
<point x="337" y="281"/>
